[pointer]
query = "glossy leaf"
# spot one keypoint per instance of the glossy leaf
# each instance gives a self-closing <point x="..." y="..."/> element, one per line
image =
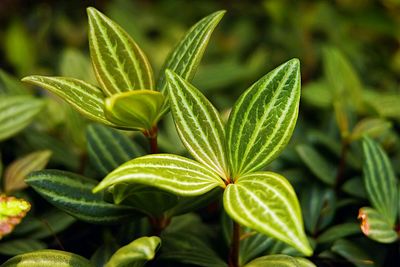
<point x="380" y="180"/>
<point x="186" y="56"/>
<point x="16" y="113"/>
<point x="135" y="109"/>
<point x="47" y="258"/>
<point x="263" y="119"/>
<point x="338" y="231"/>
<point x="266" y="202"/>
<point x="17" y="171"/>
<point x="351" y="252"/>
<point x="12" y="210"/>
<point x="18" y="246"/>
<point x="84" y="97"/>
<point x="72" y="193"/>
<point x="372" y="127"/>
<point x="108" y="148"/>
<point x="198" y="124"/>
<point x="136" y="253"/>
<point x="375" y="226"/>
<point x="278" y="261"/>
<point x="172" y="173"/>
<point x="120" y="65"/>
<point x="321" y="168"/>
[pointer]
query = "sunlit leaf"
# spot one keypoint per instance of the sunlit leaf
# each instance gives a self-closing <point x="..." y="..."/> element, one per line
<point x="135" y="109"/>
<point x="16" y="113"/>
<point x="17" y="171"/>
<point x="262" y="120"/>
<point x="136" y="253"/>
<point x="380" y="180"/>
<point x="172" y="173"/>
<point x="375" y="226"/>
<point x="266" y="202"/>
<point x="278" y="261"/>
<point x="47" y="258"/>
<point x="12" y="210"/>
<point x="120" y="65"/>
<point x="198" y="124"/>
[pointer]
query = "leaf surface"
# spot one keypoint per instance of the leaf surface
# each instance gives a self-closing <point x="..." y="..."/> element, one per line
<point x="12" y="210"/>
<point x="263" y="119"/>
<point x="18" y="246"/>
<point x="120" y="65"/>
<point x="136" y="253"/>
<point x="198" y="124"/>
<point x="266" y="202"/>
<point x="278" y="261"/>
<point x="376" y="227"/>
<point x="172" y="173"/>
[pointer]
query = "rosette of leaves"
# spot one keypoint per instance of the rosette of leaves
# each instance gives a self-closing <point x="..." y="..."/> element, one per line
<point x="127" y="97"/>
<point x="231" y="157"/>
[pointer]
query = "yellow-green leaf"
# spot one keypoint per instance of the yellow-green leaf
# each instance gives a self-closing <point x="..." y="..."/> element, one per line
<point x="120" y="65"/>
<point x="12" y="210"/>
<point x="135" y="109"/>
<point x="17" y="171"/>
<point x="372" y="127"/>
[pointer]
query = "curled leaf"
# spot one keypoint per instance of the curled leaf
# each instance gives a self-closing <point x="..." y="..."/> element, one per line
<point x="12" y="210"/>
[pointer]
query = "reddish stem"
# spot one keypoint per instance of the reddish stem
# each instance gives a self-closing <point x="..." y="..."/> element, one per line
<point x="234" y="251"/>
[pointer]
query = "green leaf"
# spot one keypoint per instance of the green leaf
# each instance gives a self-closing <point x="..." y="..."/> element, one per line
<point x="135" y="109"/>
<point x="277" y="261"/>
<point x="376" y="227"/>
<point x="172" y="173"/>
<point x="317" y="164"/>
<point x="263" y="119"/>
<point x="16" y="113"/>
<point x="373" y="127"/>
<point x="9" y="85"/>
<point x="72" y="193"/>
<point x="77" y="65"/>
<point x="84" y="97"/>
<point x="380" y="180"/>
<point x="120" y="65"/>
<point x="12" y="210"/>
<point x="266" y="202"/>
<point x="338" y="231"/>
<point x="19" y="246"/>
<point x="198" y="124"/>
<point x="253" y="246"/>
<point x="136" y="253"/>
<point x="355" y="187"/>
<point x="351" y="252"/>
<point x="109" y="148"/>
<point x="186" y="56"/>
<point x="17" y="171"/>
<point x="47" y="258"/>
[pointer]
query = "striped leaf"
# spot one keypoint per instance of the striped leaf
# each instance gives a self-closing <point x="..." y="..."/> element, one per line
<point x="186" y="56"/>
<point x="17" y="171"/>
<point x="266" y="202"/>
<point x="262" y="120"/>
<point x="47" y="258"/>
<point x="16" y="113"/>
<point x="84" y="97"/>
<point x="72" y="193"/>
<point x="108" y="148"/>
<point x="375" y="226"/>
<point x="380" y="180"/>
<point x="120" y="65"/>
<point x="136" y="253"/>
<point x="135" y="109"/>
<point x="198" y="124"/>
<point x="172" y="173"/>
<point x="279" y="261"/>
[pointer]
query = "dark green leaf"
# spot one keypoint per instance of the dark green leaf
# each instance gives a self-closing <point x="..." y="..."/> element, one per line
<point x="19" y="246"/>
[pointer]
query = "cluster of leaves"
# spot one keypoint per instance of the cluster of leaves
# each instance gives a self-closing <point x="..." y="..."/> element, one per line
<point x="158" y="194"/>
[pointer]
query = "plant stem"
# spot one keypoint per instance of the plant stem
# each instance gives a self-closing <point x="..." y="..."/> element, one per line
<point x="342" y="165"/>
<point x="234" y="251"/>
<point x="152" y="136"/>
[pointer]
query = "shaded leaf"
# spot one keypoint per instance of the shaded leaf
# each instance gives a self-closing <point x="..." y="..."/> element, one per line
<point x="372" y="127"/>
<point x="375" y="226"/>
<point x="19" y="246"/>
<point x="12" y="210"/>
<point x="266" y="202"/>
<point x="338" y="231"/>
<point x="263" y="119"/>
<point x="351" y="252"/>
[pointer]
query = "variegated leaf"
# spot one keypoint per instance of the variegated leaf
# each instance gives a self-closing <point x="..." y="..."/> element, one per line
<point x="172" y="173"/>
<point x="266" y="202"/>
<point x="380" y="180"/>
<point x="12" y="210"/>
<point x="263" y="119"/>
<point x="374" y="225"/>
<point x="198" y="124"/>
<point x="279" y="261"/>
<point x="186" y="56"/>
<point x="16" y="113"/>
<point x="136" y="253"/>
<point x="120" y="65"/>
<point x="84" y="97"/>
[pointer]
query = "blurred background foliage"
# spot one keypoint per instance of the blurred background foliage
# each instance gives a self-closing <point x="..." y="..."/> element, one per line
<point x="350" y="63"/>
